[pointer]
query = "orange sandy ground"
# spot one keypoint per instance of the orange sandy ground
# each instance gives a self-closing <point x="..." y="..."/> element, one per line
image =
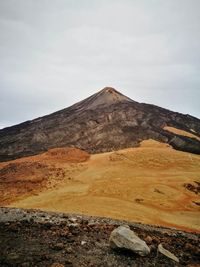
<point x="180" y="132"/>
<point x="144" y="184"/>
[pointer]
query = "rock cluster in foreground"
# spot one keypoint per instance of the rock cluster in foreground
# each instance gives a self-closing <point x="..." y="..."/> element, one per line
<point x="39" y="239"/>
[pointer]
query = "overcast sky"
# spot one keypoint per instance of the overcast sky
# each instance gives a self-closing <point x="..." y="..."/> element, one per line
<point x="54" y="53"/>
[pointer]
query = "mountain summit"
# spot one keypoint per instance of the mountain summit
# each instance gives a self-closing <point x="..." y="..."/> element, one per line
<point x="106" y="96"/>
<point x="105" y="121"/>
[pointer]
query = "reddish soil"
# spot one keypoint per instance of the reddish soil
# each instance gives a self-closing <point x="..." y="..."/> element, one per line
<point x="29" y="176"/>
<point x="72" y="155"/>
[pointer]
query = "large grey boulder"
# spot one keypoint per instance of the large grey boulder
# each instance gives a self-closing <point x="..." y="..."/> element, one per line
<point x="122" y="237"/>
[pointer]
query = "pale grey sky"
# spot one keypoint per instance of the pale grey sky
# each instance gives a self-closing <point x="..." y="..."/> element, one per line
<point x="54" y="53"/>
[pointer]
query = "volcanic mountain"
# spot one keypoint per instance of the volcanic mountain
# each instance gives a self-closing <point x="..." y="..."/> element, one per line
<point x="103" y="122"/>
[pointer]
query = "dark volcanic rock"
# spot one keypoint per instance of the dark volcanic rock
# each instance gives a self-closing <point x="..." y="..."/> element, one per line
<point x="34" y="238"/>
<point x="105" y="121"/>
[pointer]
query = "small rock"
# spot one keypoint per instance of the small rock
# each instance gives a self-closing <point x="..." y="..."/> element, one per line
<point x="83" y="243"/>
<point x="123" y="237"/>
<point x="68" y="262"/>
<point x="64" y="232"/>
<point x="25" y="264"/>
<point x="148" y="239"/>
<point x="13" y="256"/>
<point x="167" y="253"/>
<point x="56" y="264"/>
<point x="58" y="246"/>
<point x="69" y="250"/>
<point x="91" y="223"/>
<point x="155" y="240"/>
<point x="188" y="246"/>
<point x="73" y="225"/>
<point x="73" y="220"/>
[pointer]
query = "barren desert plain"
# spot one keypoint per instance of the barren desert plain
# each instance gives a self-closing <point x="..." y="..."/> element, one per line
<point x="153" y="184"/>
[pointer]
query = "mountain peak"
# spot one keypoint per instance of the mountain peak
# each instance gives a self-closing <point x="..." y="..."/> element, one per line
<point x="109" y="89"/>
<point x="106" y="96"/>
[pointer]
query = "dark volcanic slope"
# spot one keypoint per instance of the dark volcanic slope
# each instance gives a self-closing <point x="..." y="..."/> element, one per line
<point x="103" y="122"/>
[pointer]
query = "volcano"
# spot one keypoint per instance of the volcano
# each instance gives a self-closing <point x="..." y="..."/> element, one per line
<point x="103" y="122"/>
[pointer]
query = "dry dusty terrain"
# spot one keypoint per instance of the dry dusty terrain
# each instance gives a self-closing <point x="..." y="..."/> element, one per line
<point x="153" y="184"/>
<point x="181" y="132"/>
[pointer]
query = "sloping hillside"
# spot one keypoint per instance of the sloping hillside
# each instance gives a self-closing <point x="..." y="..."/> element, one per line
<point x="153" y="184"/>
<point x="105" y="121"/>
